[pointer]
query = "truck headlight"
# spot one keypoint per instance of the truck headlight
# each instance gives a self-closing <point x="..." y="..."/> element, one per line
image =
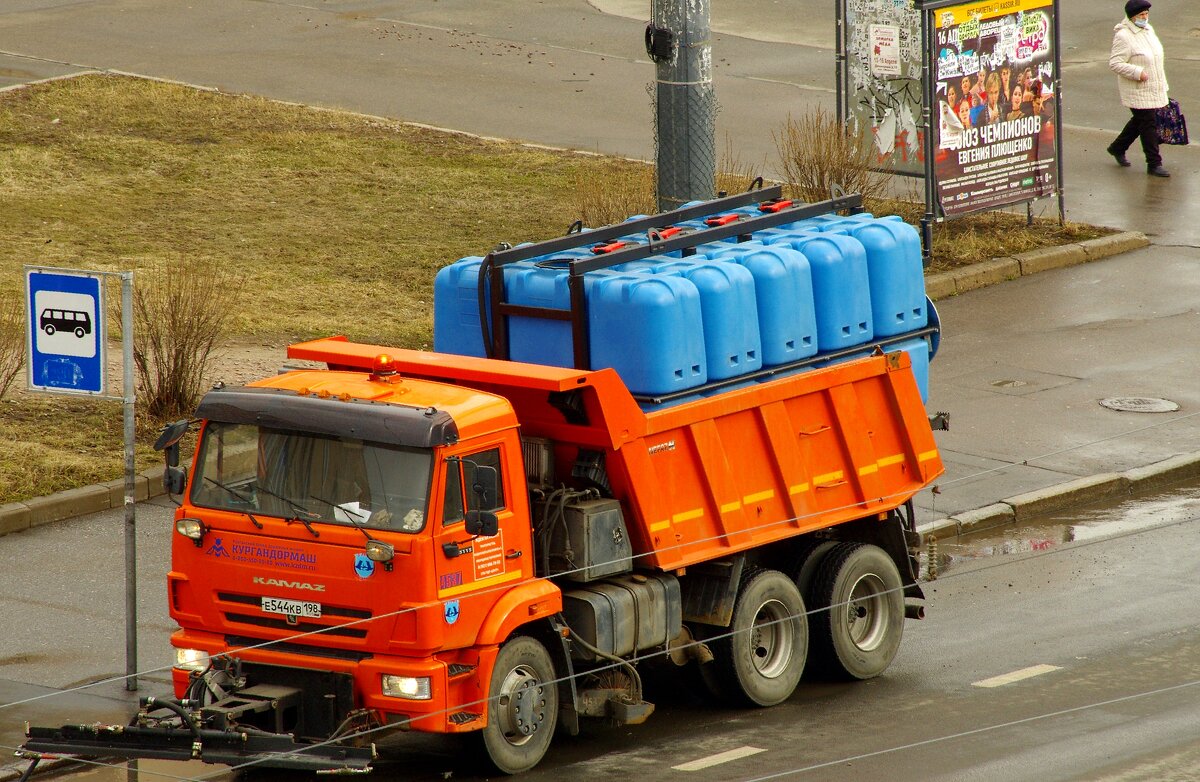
<point x="190" y="528"/>
<point x="413" y="688"/>
<point x="191" y="659"/>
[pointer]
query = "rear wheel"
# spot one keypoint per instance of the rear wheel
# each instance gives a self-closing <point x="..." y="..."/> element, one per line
<point x="759" y="659"/>
<point x="858" y="611"/>
<point x="522" y="706"/>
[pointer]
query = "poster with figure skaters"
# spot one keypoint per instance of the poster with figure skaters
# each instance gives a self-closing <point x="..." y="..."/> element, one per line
<point x="995" y="111"/>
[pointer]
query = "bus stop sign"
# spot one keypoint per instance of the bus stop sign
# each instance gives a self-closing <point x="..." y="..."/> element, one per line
<point x="65" y="329"/>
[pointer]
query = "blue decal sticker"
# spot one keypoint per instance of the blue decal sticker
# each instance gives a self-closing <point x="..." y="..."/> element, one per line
<point x="364" y="566"/>
<point x="217" y="549"/>
<point x="451" y="612"/>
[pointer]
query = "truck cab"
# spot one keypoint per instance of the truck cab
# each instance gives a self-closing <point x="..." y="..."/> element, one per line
<point x="330" y="523"/>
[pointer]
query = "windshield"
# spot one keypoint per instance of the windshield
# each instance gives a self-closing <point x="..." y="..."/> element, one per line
<point x="314" y="478"/>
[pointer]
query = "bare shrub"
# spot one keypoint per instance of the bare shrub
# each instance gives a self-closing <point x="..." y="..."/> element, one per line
<point x="608" y="193"/>
<point x="180" y="312"/>
<point x="816" y="152"/>
<point x="12" y="341"/>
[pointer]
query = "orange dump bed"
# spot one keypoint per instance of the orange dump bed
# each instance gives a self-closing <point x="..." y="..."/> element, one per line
<point x="724" y="473"/>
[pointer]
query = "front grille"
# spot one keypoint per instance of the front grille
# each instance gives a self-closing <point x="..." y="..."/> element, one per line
<point x="296" y="627"/>
<point x="290" y="647"/>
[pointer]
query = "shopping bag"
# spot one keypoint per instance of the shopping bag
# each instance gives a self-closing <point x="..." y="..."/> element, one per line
<point x="1172" y="125"/>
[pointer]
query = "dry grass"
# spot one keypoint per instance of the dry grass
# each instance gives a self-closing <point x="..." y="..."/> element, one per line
<point x="971" y="239"/>
<point x="337" y="223"/>
<point x="612" y="191"/>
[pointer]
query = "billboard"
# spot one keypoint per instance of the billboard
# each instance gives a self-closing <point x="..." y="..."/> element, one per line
<point x="881" y="81"/>
<point x="995" y="112"/>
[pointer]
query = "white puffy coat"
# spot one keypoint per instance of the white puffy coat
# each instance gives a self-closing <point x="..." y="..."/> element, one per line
<point x="1136" y="51"/>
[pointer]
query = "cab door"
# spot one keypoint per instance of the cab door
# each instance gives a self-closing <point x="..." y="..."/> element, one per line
<point x="474" y="571"/>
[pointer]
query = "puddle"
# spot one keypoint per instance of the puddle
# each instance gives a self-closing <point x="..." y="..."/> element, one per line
<point x="1083" y="524"/>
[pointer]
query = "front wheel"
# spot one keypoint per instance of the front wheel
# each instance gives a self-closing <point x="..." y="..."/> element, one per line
<point x="522" y="706"/>
<point x="857" y="600"/>
<point x="760" y="659"/>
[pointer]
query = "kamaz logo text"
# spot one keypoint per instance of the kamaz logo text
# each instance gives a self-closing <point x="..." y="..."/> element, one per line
<point x="278" y="582"/>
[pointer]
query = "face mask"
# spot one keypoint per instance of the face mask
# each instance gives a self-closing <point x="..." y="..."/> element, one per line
<point x="1142" y="23"/>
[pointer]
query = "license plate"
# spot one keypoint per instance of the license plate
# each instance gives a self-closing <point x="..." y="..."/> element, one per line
<point x="275" y="605"/>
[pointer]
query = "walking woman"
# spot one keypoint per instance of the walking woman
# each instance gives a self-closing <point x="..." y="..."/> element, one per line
<point x="1137" y="59"/>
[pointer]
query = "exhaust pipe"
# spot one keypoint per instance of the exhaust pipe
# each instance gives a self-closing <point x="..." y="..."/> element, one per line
<point x="914" y="611"/>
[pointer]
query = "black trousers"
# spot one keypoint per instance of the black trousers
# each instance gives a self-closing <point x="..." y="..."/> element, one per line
<point x="1141" y="124"/>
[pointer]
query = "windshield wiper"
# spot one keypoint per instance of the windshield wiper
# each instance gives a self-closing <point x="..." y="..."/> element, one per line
<point x="299" y="512"/>
<point x="240" y="495"/>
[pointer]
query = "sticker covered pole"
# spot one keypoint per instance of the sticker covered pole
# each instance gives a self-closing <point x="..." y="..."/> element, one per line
<point x="678" y="41"/>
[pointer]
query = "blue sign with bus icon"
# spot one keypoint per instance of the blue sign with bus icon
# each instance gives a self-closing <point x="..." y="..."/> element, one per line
<point x="66" y="340"/>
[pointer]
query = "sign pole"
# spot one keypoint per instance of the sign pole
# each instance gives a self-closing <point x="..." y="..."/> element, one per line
<point x="130" y="395"/>
<point x="928" y="101"/>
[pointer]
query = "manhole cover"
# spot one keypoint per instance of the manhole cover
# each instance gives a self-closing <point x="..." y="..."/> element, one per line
<point x="1139" y="404"/>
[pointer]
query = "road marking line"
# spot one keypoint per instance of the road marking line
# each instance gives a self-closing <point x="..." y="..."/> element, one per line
<point x="718" y="759"/>
<point x="1016" y="676"/>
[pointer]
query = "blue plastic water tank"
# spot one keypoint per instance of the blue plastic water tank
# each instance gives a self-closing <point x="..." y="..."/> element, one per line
<point x="841" y="286"/>
<point x="897" y="275"/>
<point x="783" y="289"/>
<point x="728" y="311"/>
<point x="894" y="266"/>
<point x="540" y="340"/>
<point x="647" y="327"/>
<point x="918" y="350"/>
<point x="456" y="308"/>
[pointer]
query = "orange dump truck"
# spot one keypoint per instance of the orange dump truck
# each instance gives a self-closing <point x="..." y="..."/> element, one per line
<point x="416" y="541"/>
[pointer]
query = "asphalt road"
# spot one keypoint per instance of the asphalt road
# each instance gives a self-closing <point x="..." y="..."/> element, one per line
<point x="1104" y="627"/>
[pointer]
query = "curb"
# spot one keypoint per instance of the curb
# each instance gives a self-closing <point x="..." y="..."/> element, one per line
<point x="1029" y="505"/>
<point x="979" y="275"/>
<point x="20" y="516"/>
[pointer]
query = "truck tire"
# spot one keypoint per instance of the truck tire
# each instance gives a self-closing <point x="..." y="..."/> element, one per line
<point x="522" y="706"/>
<point x="809" y="560"/>
<point x="857" y="601"/>
<point x="758" y="661"/>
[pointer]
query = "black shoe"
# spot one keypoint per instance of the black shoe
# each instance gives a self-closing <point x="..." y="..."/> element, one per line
<point x="1159" y="171"/>
<point x="1120" y="156"/>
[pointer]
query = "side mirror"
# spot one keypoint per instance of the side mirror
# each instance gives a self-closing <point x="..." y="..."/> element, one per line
<point x="486" y="486"/>
<point x="174" y="478"/>
<point x="482" y="522"/>
<point x="168" y="440"/>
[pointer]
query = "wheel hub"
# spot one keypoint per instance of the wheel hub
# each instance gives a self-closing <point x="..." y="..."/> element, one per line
<point x="522" y="705"/>
<point x="771" y="639"/>
<point x="866" y="612"/>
